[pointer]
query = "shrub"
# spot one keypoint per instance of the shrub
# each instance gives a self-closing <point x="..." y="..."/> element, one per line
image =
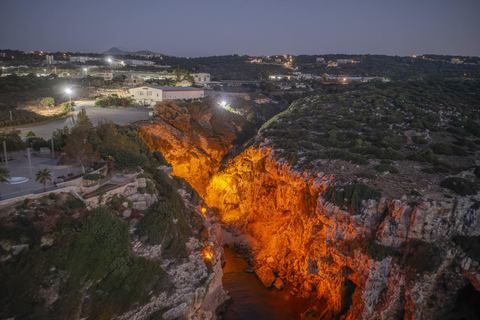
<point x="159" y="226"/>
<point x="419" y="140"/>
<point x="53" y="196"/>
<point x="94" y="176"/>
<point x="424" y="156"/>
<point x="471" y="245"/>
<point x="73" y="202"/>
<point x="448" y="149"/>
<point x="378" y="251"/>
<point x="461" y="186"/>
<point x="346" y="156"/>
<point x="415" y="193"/>
<point x="128" y="160"/>
<point x="424" y="256"/>
<point x="351" y="196"/>
<point x="385" y="166"/>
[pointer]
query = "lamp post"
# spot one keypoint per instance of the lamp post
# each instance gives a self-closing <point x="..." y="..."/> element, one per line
<point x="69" y="92"/>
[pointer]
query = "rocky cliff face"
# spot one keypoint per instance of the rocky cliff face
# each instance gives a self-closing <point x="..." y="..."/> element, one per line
<point x="61" y="260"/>
<point x="194" y="139"/>
<point x="393" y="260"/>
<point x="370" y="257"/>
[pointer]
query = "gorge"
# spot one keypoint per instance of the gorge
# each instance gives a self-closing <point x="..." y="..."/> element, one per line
<point x="348" y="219"/>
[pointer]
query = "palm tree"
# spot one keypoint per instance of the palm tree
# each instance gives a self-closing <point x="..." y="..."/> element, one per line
<point x="43" y="176"/>
<point x="4" y="175"/>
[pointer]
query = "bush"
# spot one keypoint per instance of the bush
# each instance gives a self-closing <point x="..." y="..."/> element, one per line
<point x="424" y="256"/>
<point x="159" y="227"/>
<point x="346" y="156"/>
<point x="419" y="140"/>
<point x="101" y="252"/>
<point x="94" y="176"/>
<point x="74" y="203"/>
<point x="385" y="166"/>
<point x="53" y="196"/>
<point x="128" y="160"/>
<point x="471" y="245"/>
<point x="448" y="149"/>
<point x="351" y="196"/>
<point x="378" y="251"/>
<point x="461" y="186"/>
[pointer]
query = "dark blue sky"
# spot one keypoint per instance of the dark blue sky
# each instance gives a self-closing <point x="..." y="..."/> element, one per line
<point x="217" y="27"/>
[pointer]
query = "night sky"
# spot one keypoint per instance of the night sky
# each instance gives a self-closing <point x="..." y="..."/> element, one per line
<point x="191" y="28"/>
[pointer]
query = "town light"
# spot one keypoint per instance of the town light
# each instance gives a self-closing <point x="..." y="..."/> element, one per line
<point x="68" y="91"/>
<point x="223" y="103"/>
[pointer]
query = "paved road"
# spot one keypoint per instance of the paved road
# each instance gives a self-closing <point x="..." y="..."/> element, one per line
<point x="117" y="115"/>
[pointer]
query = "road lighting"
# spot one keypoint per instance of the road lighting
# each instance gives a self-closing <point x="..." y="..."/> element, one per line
<point x="69" y="92"/>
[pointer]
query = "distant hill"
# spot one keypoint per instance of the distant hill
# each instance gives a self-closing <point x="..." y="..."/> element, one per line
<point x="117" y="51"/>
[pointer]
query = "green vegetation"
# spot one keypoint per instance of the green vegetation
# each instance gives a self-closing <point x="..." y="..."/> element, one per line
<point x="461" y="186"/>
<point x="471" y="245"/>
<point x="361" y="121"/>
<point x="48" y="101"/>
<point x="112" y="101"/>
<point x="94" y="176"/>
<point x="13" y="140"/>
<point x="378" y="251"/>
<point x="423" y="256"/>
<point x="101" y="253"/>
<point x="351" y="196"/>
<point x="448" y="149"/>
<point x="43" y="176"/>
<point x="386" y="166"/>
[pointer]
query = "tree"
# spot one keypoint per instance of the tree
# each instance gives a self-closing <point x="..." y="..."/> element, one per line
<point x="325" y="77"/>
<point x="4" y="175"/>
<point x="48" y="101"/>
<point x="30" y="134"/>
<point x="84" y="127"/>
<point x="79" y="152"/>
<point x="43" y="176"/>
<point x="13" y="140"/>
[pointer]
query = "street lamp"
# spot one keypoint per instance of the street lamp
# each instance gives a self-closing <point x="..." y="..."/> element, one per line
<point x="69" y="92"/>
<point x="86" y="71"/>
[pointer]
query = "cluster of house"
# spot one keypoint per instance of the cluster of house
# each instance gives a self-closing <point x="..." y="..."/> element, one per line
<point x="308" y="76"/>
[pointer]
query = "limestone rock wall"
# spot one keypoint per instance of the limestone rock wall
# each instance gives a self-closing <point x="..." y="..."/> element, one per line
<point x="322" y="249"/>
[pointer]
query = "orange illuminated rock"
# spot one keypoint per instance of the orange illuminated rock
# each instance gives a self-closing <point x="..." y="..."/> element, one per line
<point x="279" y="284"/>
<point x="265" y="274"/>
<point x="354" y="261"/>
<point x="193" y="139"/>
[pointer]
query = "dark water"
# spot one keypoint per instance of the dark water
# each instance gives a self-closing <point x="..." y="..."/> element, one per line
<point x="252" y="300"/>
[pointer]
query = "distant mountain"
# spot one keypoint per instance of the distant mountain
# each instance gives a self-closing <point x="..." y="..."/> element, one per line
<point x="117" y="51"/>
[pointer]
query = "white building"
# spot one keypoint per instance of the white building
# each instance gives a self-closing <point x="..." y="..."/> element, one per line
<point x="107" y="76"/>
<point x="132" y="62"/>
<point x="201" y="79"/>
<point x="133" y="81"/>
<point x="151" y="95"/>
<point x="83" y="59"/>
